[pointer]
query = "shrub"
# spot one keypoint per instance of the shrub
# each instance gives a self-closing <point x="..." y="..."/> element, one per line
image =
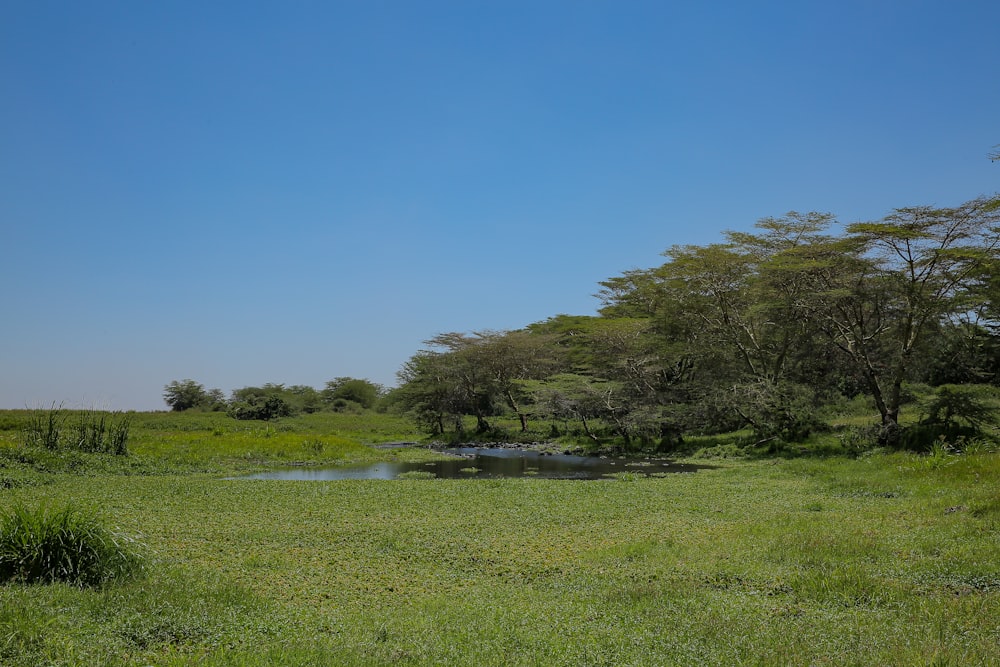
<point x="954" y="405"/>
<point x="860" y="439"/>
<point x="924" y="437"/>
<point x="362" y="392"/>
<point x="347" y="406"/>
<point x="64" y="545"/>
<point x="953" y="414"/>
<point x="777" y="410"/>
<point x="259" y="407"/>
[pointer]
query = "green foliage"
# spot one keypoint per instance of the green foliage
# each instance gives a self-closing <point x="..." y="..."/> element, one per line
<point x="183" y="395"/>
<point x="342" y="391"/>
<point x="764" y="329"/>
<point x="273" y="400"/>
<point x="42" y="545"/>
<point x="777" y="410"/>
<point x="44" y="428"/>
<point x="859" y="439"/>
<point x="264" y="403"/>
<point x="302" y="399"/>
<point x="882" y="560"/>
<point x="101" y="432"/>
<point x="961" y="353"/>
<point x="954" y="416"/>
<point x="91" y="431"/>
<point x="482" y="375"/>
<point x="955" y="405"/>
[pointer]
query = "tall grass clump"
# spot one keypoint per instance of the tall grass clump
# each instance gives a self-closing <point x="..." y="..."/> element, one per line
<point x="44" y="428"/>
<point x="64" y="545"/>
<point x="90" y="431"/>
<point x="99" y="432"/>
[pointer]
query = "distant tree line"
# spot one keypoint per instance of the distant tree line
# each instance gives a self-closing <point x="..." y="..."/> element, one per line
<point x="270" y="401"/>
<point x="763" y="331"/>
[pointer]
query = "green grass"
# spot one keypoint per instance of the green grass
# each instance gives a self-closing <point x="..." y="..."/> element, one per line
<point x="161" y="443"/>
<point x="880" y="560"/>
<point x="888" y="559"/>
<point x="47" y="545"/>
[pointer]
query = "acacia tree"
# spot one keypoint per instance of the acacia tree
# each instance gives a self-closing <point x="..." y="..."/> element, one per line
<point x="879" y="290"/>
<point x="183" y="395"/>
<point x="449" y="380"/>
<point x="723" y="319"/>
<point x="510" y="358"/>
<point x="474" y="374"/>
<point x="302" y="398"/>
<point x="428" y="391"/>
<point x="728" y="303"/>
<point x="465" y="362"/>
<point x="567" y="396"/>
<point x="713" y="287"/>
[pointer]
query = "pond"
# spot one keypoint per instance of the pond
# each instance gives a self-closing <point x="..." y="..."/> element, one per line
<point x="481" y="462"/>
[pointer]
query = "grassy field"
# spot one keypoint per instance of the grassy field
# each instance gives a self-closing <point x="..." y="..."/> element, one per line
<point x="162" y="443"/>
<point x="885" y="559"/>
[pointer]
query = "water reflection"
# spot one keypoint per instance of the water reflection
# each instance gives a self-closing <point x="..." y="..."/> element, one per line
<point x="479" y="463"/>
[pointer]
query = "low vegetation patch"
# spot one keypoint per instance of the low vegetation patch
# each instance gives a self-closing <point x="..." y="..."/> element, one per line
<point x="48" y="545"/>
<point x="93" y="431"/>
<point x="885" y="557"/>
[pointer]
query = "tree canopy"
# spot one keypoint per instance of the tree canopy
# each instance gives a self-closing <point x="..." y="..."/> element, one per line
<point x="272" y="400"/>
<point x="759" y="330"/>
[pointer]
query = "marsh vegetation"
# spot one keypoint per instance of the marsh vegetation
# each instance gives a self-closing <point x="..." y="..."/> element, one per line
<point x="882" y="558"/>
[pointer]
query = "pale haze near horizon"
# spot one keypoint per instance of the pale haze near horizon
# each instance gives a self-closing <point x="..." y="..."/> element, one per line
<point x="240" y="194"/>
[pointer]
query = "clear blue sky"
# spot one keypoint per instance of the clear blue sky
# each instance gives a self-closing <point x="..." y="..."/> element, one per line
<point x="250" y="192"/>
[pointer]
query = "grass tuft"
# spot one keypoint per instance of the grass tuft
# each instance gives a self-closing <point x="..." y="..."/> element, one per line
<point x="64" y="545"/>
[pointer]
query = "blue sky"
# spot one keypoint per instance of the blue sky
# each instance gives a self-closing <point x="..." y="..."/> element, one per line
<point x="242" y="193"/>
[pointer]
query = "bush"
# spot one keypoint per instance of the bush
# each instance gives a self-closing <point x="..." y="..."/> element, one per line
<point x="263" y="407"/>
<point x="954" y="405"/>
<point x="346" y="406"/>
<point x="952" y="415"/>
<point x="924" y="437"/>
<point x="64" y="545"/>
<point x="777" y="410"/>
<point x="363" y="392"/>
<point x="857" y="440"/>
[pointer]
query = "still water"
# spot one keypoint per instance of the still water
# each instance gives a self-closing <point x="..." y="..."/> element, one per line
<point x="479" y="463"/>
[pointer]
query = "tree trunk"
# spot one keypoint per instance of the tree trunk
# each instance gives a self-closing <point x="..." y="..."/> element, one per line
<point x="520" y="415"/>
<point x="889" y="435"/>
<point x="482" y="426"/>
